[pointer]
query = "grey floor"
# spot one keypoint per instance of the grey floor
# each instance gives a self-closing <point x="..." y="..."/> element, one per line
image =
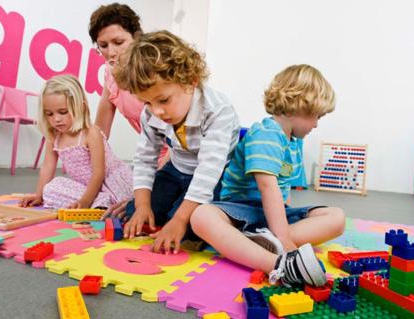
<point x="31" y="293"/>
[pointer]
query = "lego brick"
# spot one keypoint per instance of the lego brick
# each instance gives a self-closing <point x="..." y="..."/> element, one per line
<point x="71" y="304"/>
<point x="379" y="286"/>
<point x="353" y="267"/>
<point x="257" y="277"/>
<point x="349" y="285"/>
<point x="402" y="264"/>
<point x="404" y="288"/>
<point x="255" y="304"/>
<point x="269" y="291"/>
<point x="342" y="302"/>
<point x="91" y="284"/>
<point x="109" y="229"/>
<point x="319" y="294"/>
<point x="216" y="315"/>
<point x="81" y="214"/>
<point x="405" y="251"/>
<point x="337" y="258"/>
<point x="118" y="230"/>
<point x="396" y="237"/>
<point x="290" y="304"/>
<point x="403" y="276"/>
<point x="38" y="252"/>
<point x="373" y="263"/>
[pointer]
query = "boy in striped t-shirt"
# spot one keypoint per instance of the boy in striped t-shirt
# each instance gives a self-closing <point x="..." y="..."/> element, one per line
<point x="199" y="125"/>
<point x="253" y="225"/>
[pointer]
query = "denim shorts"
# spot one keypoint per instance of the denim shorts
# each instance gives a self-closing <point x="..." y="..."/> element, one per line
<point x="249" y="216"/>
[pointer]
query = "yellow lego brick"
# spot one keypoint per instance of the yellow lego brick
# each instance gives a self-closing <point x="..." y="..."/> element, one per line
<point x="216" y="315"/>
<point x="290" y="304"/>
<point x="81" y="214"/>
<point x="71" y="303"/>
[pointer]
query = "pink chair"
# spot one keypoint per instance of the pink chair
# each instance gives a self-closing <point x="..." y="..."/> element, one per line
<point x="13" y="108"/>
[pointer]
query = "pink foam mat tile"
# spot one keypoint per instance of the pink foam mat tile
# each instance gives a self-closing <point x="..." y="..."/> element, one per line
<point x="213" y="290"/>
<point x="64" y="238"/>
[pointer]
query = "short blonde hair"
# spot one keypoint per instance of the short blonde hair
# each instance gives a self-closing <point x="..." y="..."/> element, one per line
<point x="159" y="56"/>
<point x="299" y="90"/>
<point x="76" y="101"/>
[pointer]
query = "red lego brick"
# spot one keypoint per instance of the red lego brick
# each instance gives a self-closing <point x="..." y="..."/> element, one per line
<point x="337" y="258"/>
<point x="257" y="277"/>
<point x="91" y="285"/>
<point x="319" y="294"/>
<point x="38" y="252"/>
<point x="109" y="229"/>
<point x="402" y="264"/>
<point x="147" y="230"/>
<point x="379" y="286"/>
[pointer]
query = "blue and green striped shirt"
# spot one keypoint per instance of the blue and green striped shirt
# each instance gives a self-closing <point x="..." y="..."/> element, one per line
<point x="264" y="149"/>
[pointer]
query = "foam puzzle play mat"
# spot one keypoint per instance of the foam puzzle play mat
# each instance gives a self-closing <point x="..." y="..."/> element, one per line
<point x="370" y="270"/>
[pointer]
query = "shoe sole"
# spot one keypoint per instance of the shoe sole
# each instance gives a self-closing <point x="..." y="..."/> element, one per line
<point x="311" y="270"/>
<point x="266" y="243"/>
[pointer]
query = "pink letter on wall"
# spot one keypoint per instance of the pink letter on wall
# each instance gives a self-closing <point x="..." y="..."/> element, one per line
<point x="10" y="48"/>
<point x="38" y="47"/>
<point x="95" y="62"/>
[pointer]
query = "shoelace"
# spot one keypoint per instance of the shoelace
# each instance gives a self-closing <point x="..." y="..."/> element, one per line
<point x="286" y="270"/>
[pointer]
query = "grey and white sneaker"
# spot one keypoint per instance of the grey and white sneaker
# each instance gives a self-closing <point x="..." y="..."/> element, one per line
<point x="297" y="267"/>
<point x="265" y="238"/>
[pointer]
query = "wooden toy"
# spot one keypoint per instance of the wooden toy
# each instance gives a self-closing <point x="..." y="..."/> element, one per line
<point x="12" y="217"/>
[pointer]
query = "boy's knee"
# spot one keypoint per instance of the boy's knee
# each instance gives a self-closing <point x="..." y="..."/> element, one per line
<point x="337" y="217"/>
<point x="199" y="218"/>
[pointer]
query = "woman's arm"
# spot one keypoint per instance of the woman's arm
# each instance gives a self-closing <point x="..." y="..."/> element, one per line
<point x="106" y="113"/>
<point x="47" y="172"/>
<point x="96" y="149"/>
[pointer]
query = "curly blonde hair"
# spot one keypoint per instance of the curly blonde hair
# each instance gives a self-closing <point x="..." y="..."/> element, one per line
<point x="160" y="56"/>
<point x="77" y="104"/>
<point x="299" y="90"/>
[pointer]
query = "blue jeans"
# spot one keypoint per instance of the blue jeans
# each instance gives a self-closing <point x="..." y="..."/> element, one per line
<point x="168" y="192"/>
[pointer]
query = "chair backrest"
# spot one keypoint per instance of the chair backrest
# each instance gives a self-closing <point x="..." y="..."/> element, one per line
<point x="13" y="102"/>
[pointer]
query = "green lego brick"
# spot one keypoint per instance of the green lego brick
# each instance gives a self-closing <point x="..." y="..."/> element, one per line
<point x="277" y="290"/>
<point x="401" y="276"/>
<point x="403" y="288"/>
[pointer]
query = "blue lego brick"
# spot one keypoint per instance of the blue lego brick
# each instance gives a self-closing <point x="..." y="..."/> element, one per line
<point x="255" y="304"/>
<point x="396" y="237"/>
<point x="353" y="267"/>
<point x="342" y="302"/>
<point x="405" y="251"/>
<point x="349" y="285"/>
<point x="373" y="263"/>
<point x="118" y="231"/>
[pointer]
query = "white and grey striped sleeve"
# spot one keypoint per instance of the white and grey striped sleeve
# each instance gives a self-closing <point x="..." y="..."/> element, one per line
<point x="221" y="131"/>
<point x="148" y="148"/>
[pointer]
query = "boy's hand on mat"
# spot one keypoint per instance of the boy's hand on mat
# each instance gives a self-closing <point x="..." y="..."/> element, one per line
<point x="31" y="200"/>
<point x="169" y="237"/>
<point x="134" y="225"/>
<point x="117" y="210"/>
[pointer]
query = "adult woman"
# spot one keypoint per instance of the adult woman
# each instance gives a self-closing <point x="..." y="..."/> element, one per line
<point x="113" y="28"/>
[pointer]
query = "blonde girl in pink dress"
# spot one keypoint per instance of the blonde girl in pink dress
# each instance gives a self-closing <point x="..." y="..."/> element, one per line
<point x="95" y="176"/>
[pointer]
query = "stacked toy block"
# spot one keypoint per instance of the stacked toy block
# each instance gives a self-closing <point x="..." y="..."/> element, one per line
<point x="113" y="229"/>
<point x="71" y="304"/>
<point x="402" y="260"/>
<point x="82" y="214"/>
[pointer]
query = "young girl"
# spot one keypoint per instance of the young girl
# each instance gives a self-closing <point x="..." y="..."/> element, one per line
<point x="96" y="177"/>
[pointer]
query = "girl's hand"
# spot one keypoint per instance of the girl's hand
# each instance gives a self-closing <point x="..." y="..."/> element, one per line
<point x="169" y="237"/>
<point x="31" y="200"/>
<point x="117" y="210"/>
<point x="134" y="225"/>
<point x="288" y="245"/>
<point x="79" y="204"/>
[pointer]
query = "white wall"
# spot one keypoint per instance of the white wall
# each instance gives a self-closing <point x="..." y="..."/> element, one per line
<point x="364" y="48"/>
<point x="70" y="18"/>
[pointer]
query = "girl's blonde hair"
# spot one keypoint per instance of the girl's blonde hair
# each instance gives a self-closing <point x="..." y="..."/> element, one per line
<point x="299" y="90"/>
<point x="76" y="101"/>
<point x="160" y="56"/>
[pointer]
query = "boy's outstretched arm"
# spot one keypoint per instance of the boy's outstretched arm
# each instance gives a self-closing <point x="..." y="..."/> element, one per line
<point x="274" y="208"/>
<point x="173" y="232"/>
